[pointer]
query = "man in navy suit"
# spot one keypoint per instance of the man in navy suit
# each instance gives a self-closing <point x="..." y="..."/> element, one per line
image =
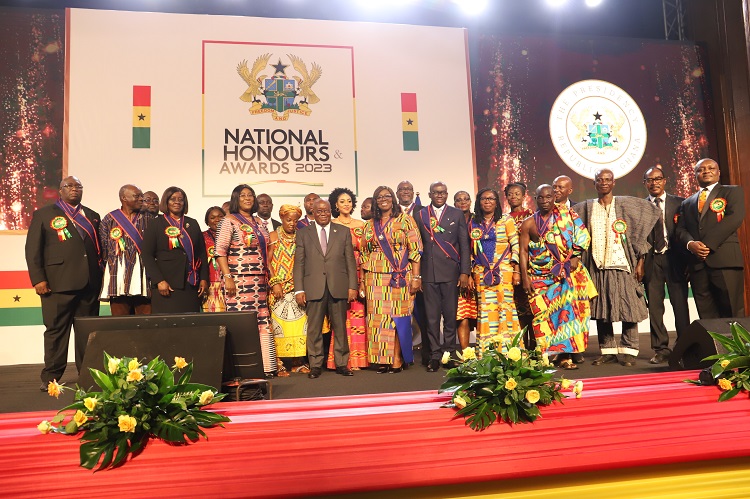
<point x="62" y="254"/>
<point x="665" y="264"/>
<point x="445" y="268"/>
<point x="562" y="187"/>
<point x="708" y="230"/>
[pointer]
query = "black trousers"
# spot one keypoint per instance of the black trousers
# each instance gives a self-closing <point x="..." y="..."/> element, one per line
<point x="718" y="293"/>
<point x="441" y="300"/>
<point x="58" y="312"/>
<point x="336" y="311"/>
<point x="661" y="272"/>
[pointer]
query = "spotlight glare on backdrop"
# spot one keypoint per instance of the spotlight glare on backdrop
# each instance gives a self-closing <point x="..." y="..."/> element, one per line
<point x="471" y="7"/>
<point x="556" y="3"/>
<point x="593" y="3"/>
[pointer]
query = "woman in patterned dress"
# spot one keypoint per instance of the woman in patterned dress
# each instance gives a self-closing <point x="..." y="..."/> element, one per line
<point x="494" y="248"/>
<point x="390" y="256"/>
<point x="515" y="194"/>
<point x="343" y="201"/>
<point x="214" y="299"/>
<point x="466" y="313"/>
<point x="288" y="320"/>
<point x="241" y="252"/>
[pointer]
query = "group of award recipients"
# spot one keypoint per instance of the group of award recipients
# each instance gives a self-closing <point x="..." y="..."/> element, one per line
<point x="447" y="268"/>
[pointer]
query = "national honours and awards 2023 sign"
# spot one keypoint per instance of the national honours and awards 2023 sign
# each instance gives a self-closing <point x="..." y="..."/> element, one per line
<point x="595" y="124"/>
<point x="277" y="117"/>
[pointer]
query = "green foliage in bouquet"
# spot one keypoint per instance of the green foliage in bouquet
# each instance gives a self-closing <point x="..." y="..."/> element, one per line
<point x="508" y="387"/>
<point x="731" y="370"/>
<point x="136" y="402"/>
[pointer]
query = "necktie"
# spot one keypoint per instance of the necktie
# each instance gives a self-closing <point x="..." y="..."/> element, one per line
<point x="702" y="199"/>
<point x="323" y="240"/>
<point x="658" y="232"/>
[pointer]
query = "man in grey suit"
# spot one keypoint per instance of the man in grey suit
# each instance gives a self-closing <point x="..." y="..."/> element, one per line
<point x="325" y="281"/>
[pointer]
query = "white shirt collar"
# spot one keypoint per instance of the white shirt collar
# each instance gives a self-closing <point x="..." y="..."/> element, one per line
<point x="710" y="188"/>
<point x="438" y="211"/>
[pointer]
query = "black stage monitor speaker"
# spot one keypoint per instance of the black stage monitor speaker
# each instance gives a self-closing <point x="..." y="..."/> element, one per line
<point x="696" y="344"/>
<point x="204" y="345"/>
<point x="242" y="357"/>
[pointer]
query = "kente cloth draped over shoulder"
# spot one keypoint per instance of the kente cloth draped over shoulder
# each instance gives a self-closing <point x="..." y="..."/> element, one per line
<point x="560" y="301"/>
<point x="388" y="307"/>
<point x="494" y="247"/>
<point x="621" y="297"/>
<point x="214" y="299"/>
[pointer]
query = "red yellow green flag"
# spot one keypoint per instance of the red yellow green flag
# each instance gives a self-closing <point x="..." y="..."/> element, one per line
<point x="141" y="117"/>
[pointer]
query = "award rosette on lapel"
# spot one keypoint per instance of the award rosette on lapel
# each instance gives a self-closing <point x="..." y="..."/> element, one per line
<point x="676" y="218"/>
<point x="620" y="226"/>
<point x="60" y="224"/>
<point x="116" y="235"/>
<point x="211" y="252"/>
<point x="247" y="234"/>
<point x="434" y="225"/>
<point x="476" y="236"/>
<point x="173" y="233"/>
<point x="358" y="231"/>
<point x="369" y="234"/>
<point x="550" y="237"/>
<point x="718" y="206"/>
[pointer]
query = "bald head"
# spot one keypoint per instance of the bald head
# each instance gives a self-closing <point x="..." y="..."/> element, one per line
<point x="562" y="187"/>
<point x="71" y="190"/>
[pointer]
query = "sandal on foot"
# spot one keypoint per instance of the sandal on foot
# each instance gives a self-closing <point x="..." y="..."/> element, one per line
<point x="568" y="365"/>
<point x="303" y="369"/>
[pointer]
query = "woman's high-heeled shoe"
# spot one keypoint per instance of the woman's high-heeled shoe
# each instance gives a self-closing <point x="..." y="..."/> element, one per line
<point x="383" y="370"/>
<point x="396" y="370"/>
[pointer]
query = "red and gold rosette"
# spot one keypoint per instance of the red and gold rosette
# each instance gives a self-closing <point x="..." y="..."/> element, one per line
<point x="676" y="218"/>
<point x="619" y="227"/>
<point x="358" y="231"/>
<point x="211" y="252"/>
<point x="476" y="236"/>
<point x="434" y="225"/>
<point x="247" y="234"/>
<point x="116" y="235"/>
<point x="173" y="233"/>
<point x="60" y="224"/>
<point x="550" y="237"/>
<point x="718" y="206"/>
<point x="369" y="234"/>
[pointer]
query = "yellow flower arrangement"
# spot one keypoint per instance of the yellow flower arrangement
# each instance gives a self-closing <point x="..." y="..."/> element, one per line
<point x="731" y="370"/>
<point x="136" y="402"/>
<point x="725" y="384"/>
<point x="724" y="363"/>
<point x="508" y="383"/>
<point x="179" y="363"/>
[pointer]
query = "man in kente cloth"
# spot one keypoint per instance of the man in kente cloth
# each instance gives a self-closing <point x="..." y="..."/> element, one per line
<point x="559" y="287"/>
<point x="619" y="228"/>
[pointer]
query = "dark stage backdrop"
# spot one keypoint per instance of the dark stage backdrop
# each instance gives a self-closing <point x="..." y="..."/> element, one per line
<point x="519" y="79"/>
<point x="32" y="72"/>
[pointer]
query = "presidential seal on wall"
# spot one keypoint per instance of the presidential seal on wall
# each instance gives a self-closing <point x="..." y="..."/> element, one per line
<point x="595" y="124"/>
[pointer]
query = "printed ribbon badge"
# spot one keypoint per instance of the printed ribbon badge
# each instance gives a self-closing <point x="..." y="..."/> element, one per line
<point x="476" y="236"/>
<point x="211" y="251"/>
<point x="620" y="226"/>
<point x="369" y="234"/>
<point x="173" y="233"/>
<point x="247" y="234"/>
<point x="718" y="206"/>
<point x="116" y="235"/>
<point x="60" y="224"/>
<point x="434" y="225"/>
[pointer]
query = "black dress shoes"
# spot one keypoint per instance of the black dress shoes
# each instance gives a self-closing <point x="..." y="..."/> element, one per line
<point x="605" y="359"/>
<point x="628" y="360"/>
<point x="43" y="388"/>
<point x="314" y="373"/>
<point x="578" y="358"/>
<point x="344" y="371"/>
<point x="659" y="358"/>
<point x="383" y="370"/>
<point x="433" y="366"/>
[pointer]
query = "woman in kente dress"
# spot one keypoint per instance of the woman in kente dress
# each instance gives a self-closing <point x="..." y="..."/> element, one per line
<point x="288" y="320"/>
<point x="241" y="252"/>
<point x="214" y="299"/>
<point x="343" y="201"/>
<point x="515" y="195"/>
<point x="466" y="313"/>
<point x="390" y="257"/>
<point x="494" y="247"/>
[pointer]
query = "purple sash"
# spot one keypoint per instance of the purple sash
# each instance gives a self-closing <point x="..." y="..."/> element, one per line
<point x="491" y="275"/>
<point x="81" y="222"/>
<point x="189" y="251"/>
<point x="129" y="228"/>
<point x="560" y="266"/>
<point x="258" y="233"/>
<point x="445" y="246"/>
<point x="398" y="276"/>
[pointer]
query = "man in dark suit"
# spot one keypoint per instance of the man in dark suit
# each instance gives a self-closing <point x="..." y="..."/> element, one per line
<point x="665" y="264"/>
<point x="562" y="187"/>
<point x="325" y="281"/>
<point x="708" y="229"/>
<point x="445" y="268"/>
<point x="62" y="254"/>
<point x="265" y="210"/>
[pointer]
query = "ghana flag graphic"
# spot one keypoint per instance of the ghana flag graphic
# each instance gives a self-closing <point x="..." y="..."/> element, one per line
<point x="141" y="117"/>
<point x="409" y="123"/>
<point x="19" y="303"/>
